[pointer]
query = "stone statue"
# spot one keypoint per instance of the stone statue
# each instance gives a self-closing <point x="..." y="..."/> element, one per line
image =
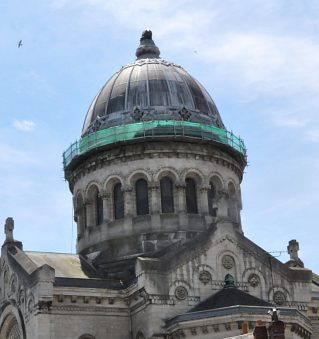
<point x="293" y="248"/>
<point x="8" y="229"/>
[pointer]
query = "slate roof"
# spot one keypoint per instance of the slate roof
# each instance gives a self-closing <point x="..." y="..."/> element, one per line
<point x="65" y="265"/>
<point x="229" y="297"/>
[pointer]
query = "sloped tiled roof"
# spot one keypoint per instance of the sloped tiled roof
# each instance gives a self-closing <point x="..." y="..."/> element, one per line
<point x="229" y="297"/>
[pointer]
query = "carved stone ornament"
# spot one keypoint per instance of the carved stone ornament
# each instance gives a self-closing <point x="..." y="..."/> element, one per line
<point x="228" y="261"/>
<point x="205" y="277"/>
<point x="279" y="298"/>
<point x="137" y="114"/>
<point x="8" y="229"/>
<point x="181" y="293"/>
<point x="253" y="280"/>
<point x="21" y="297"/>
<point x="205" y="329"/>
<point x="31" y="304"/>
<point x="185" y="114"/>
<point x="193" y="331"/>
<point x="13" y="284"/>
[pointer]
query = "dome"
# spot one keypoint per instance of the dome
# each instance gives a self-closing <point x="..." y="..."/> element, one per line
<point x="150" y="89"/>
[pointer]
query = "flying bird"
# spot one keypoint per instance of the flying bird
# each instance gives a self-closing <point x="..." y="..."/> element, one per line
<point x="20" y="44"/>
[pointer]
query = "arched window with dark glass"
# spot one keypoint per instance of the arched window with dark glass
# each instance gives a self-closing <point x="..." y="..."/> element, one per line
<point x="191" y="196"/>
<point x="118" y="201"/>
<point x="86" y="336"/>
<point x="167" y="195"/>
<point x="211" y="196"/>
<point x="141" y="191"/>
<point x="80" y="214"/>
<point x="98" y="208"/>
<point x="140" y="335"/>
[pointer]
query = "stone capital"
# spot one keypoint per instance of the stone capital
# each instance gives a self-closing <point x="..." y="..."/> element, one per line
<point x="154" y="186"/>
<point x="180" y="185"/>
<point x="127" y="188"/>
<point x="204" y="189"/>
<point x="105" y="195"/>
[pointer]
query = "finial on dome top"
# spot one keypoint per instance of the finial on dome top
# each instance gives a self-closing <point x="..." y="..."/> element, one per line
<point x="147" y="47"/>
<point x="147" y="34"/>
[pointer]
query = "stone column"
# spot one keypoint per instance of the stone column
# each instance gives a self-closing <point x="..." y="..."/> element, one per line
<point x="128" y="204"/>
<point x="222" y="204"/>
<point x="154" y="198"/>
<point x="181" y="199"/>
<point x="89" y="214"/>
<point x="203" y="208"/>
<point x="155" y="206"/>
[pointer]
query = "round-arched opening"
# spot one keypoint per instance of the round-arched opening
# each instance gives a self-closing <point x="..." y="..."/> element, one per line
<point x="167" y="195"/>
<point x="141" y="192"/>
<point x="118" y="201"/>
<point x="191" y="196"/>
<point x="95" y="206"/>
<point x="10" y="329"/>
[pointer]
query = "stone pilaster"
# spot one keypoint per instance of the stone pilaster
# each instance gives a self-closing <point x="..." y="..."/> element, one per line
<point x="222" y="204"/>
<point x="107" y="206"/>
<point x="89" y="212"/>
<point x="181" y="200"/>
<point x="203" y="206"/>
<point x="155" y="198"/>
<point x="128" y="204"/>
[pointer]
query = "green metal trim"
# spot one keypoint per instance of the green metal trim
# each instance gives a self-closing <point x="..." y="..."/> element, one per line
<point x="149" y="130"/>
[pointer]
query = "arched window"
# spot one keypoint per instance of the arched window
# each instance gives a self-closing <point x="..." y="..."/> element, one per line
<point x="86" y="336"/>
<point x="167" y="195"/>
<point x="139" y="335"/>
<point x="118" y="201"/>
<point x="141" y="191"/>
<point x="191" y="196"/>
<point x="10" y="329"/>
<point x="80" y="214"/>
<point x="211" y="196"/>
<point x="94" y="209"/>
<point x="98" y="208"/>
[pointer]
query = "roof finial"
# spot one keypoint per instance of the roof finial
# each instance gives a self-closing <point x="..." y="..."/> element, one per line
<point x="293" y="248"/>
<point x="147" y="47"/>
<point x="8" y="229"/>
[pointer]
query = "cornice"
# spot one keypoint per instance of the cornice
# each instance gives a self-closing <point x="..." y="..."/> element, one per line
<point x="133" y="153"/>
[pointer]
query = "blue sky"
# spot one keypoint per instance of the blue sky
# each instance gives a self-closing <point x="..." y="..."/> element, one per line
<point x="258" y="59"/>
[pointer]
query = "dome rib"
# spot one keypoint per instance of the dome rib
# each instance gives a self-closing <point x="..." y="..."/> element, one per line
<point x="127" y="89"/>
<point x="147" y="87"/>
<point x="187" y="88"/>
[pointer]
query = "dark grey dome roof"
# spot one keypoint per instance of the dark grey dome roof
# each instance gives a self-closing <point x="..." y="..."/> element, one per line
<point x="150" y="89"/>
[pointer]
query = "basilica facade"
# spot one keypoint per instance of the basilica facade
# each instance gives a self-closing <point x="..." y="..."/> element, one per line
<point x="155" y="180"/>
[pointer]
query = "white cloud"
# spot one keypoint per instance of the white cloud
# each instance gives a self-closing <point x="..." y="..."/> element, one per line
<point x="312" y="135"/>
<point x="11" y="156"/>
<point x="24" y="125"/>
<point x="272" y="59"/>
<point x="267" y="63"/>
